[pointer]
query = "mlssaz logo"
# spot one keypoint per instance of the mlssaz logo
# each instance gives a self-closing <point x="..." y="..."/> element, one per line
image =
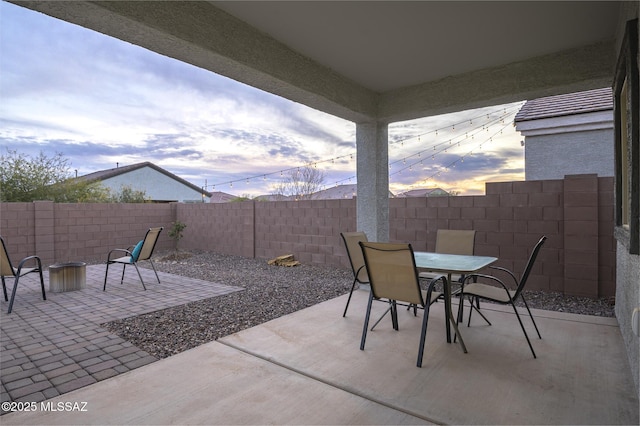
<point x="63" y="406"/>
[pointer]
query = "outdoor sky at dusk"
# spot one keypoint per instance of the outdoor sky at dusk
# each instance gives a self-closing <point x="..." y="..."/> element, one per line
<point x="100" y="102"/>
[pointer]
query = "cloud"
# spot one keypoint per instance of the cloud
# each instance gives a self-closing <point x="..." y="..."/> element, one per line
<point x="100" y="101"/>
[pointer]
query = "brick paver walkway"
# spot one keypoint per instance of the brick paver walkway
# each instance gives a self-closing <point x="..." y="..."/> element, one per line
<point x="55" y="346"/>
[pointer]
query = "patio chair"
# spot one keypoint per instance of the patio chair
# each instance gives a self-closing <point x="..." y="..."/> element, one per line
<point x="393" y="276"/>
<point x="453" y="241"/>
<point x="351" y="241"/>
<point x="7" y="270"/>
<point x="500" y="293"/>
<point x="142" y="251"/>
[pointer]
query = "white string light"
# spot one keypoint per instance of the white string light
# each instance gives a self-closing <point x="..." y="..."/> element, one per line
<point x="437" y="148"/>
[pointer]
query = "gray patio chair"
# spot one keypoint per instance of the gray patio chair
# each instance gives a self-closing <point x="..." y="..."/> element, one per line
<point x="351" y="241"/>
<point x="498" y="292"/>
<point x="7" y="270"/>
<point x="394" y="277"/>
<point x="142" y="251"/>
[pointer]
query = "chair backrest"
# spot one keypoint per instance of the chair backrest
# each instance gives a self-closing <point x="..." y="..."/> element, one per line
<point x="351" y="242"/>
<point x="453" y="241"/>
<point x="6" y="268"/>
<point x="392" y="272"/>
<point x="150" y="240"/>
<point x="527" y="269"/>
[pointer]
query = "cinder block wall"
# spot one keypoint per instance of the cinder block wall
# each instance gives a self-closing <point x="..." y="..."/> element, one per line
<point x="308" y="229"/>
<point x="79" y="232"/>
<point x="226" y="228"/>
<point x="575" y="213"/>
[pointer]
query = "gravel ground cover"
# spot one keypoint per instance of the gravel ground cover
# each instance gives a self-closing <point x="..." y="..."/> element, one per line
<point x="269" y="292"/>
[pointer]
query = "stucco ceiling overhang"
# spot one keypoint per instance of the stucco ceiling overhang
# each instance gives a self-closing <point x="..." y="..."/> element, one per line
<point x="366" y="60"/>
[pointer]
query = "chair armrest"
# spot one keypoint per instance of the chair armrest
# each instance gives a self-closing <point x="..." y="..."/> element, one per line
<point x="432" y="284"/>
<point x="499" y="268"/>
<point x="118" y="250"/>
<point x="25" y="260"/>
<point x="434" y="280"/>
<point x="357" y="275"/>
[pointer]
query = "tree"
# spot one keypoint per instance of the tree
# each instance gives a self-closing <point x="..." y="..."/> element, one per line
<point x="24" y="178"/>
<point x="127" y="194"/>
<point x="241" y="198"/>
<point x="300" y="183"/>
<point x="176" y="232"/>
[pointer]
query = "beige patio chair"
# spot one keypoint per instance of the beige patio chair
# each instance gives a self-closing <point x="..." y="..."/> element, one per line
<point x="142" y="251"/>
<point x="351" y="241"/>
<point x="453" y="241"/>
<point x="393" y="276"/>
<point x="7" y="270"/>
<point x="498" y="292"/>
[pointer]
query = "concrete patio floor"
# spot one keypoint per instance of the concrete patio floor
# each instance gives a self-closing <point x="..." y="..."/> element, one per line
<point x="306" y="368"/>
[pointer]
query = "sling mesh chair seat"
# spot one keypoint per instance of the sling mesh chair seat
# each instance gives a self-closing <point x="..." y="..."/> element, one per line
<point x="354" y="252"/>
<point x="7" y="270"/>
<point x="142" y="251"/>
<point x="497" y="292"/>
<point x="394" y="279"/>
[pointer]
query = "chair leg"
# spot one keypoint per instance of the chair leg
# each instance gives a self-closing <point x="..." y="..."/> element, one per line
<point x="137" y="270"/>
<point x="366" y="321"/>
<point x="124" y="266"/>
<point x="423" y="334"/>
<point x="349" y="299"/>
<point x="523" y="330"/>
<point x="381" y="316"/>
<point x="154" y="270"/>
<point x="528" y="310"/>
<point x="425" y="321"/>
<point x="106" y="272"/>
<point x="13" y="294"/>
<point x="44" y="295"/>
<point x="477" y="309"/>
<point x="394" y="315"/>
<point x="460" y="316"/>
<point x="4" y="290"/>
<point x="415" y="309"/>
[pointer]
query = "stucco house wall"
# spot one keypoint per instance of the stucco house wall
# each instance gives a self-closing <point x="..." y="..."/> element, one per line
<point x="157" y="186"/>
<point x="554" y="156"/>
<point x="568" y="135"/>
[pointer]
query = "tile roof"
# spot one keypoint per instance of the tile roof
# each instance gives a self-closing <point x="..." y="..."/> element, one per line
<point x="569" y="104"/>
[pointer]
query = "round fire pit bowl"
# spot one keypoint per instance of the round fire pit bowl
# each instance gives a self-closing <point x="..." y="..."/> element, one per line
<point x="68" y="276"/>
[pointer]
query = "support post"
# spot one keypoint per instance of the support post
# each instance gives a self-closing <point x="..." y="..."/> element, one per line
<point x="372" y="202"/>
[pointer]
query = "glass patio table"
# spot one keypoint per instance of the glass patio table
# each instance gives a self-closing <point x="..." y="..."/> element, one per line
<point x="451" y="264"/>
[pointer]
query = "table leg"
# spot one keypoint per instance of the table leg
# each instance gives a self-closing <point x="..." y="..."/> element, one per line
<point x="449" y="314"/>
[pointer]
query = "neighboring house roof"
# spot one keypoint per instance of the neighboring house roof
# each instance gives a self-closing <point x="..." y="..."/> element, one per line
<point x="102" y="175"/>
<point x="424" y="192"/>
<point x="339" y="192"/>
<point x="271" y="197"/>
<point x="569" y="104"/>
<point x="221" y="197"/>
